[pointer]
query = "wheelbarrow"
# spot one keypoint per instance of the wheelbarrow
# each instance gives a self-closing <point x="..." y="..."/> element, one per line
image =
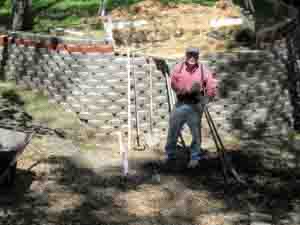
<point x="12" y="145"/>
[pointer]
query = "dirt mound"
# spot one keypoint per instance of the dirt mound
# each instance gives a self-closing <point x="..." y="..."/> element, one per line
<point x="154" y="8"/>
<point x="140" y="10"/>
<point x="171" y="28"/>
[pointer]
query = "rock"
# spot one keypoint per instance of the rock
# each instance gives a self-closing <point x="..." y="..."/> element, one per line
<point x="260" y="217"/>
<point x="137" y="9"/>
<point x="216" y="34"/>
<point x="9" y="139"/>
<point x="284" y="222"/>
<point x="295" y="142"/>
<point x="294" y="218"/>
<point x="172" y="5"/>
<point x="244" y="35"/>
<point x="235" y="218"/>
<point x="211" y="220"/>
<point x="42" y="200"/>
<point x="260" y="223"/>
<point x="257" y="218"/>
<point x="222" y="4"/>
<point x="156" y="179"/>
<point x="196" y="32"/>
<point x="179" y="32"/>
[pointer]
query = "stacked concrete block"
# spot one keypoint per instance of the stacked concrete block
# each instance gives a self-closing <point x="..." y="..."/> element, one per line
<point x="3" y="54"/>
<point x="1" y="51"/>
<point x="252" y="94"/>
<point x="252" y="90"/>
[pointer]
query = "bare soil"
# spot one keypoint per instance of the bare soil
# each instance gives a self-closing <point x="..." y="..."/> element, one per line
<point x="171" y="28"/>
<point x="59" y="184"/>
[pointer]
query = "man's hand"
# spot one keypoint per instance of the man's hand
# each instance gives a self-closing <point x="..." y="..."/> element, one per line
<point x="196" y="89"/>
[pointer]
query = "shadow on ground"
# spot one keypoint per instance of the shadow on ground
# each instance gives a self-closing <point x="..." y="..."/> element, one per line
<point x="65" y="192"/>
<point x="12" y="112"/>
<point x="12" y="195"/>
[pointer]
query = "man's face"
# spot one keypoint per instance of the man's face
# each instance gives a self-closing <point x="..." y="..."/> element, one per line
<point x="192" y="58"/>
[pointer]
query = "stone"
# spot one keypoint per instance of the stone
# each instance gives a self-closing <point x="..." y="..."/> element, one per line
<point x="100" y="80"/>
<point x="260" y="223"/>
<point x="260" y="216"/>
<point x="235" y="217"/>
<point x="294" y="218"/>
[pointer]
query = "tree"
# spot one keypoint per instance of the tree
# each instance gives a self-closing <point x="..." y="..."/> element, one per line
<point x="289" y="31"/>
<point x="102" y="8"/>
<point x="21" y="15"/>
<point x="292" y="64"/>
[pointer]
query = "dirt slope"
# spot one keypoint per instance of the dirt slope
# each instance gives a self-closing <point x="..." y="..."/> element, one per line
<point x="171" y="28"/>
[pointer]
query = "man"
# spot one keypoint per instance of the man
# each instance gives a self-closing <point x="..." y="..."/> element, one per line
<point x="193" y="84"/>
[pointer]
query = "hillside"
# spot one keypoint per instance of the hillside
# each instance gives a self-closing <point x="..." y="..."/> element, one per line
<point x="171" y="25"/>
<point x="170" y="28"/>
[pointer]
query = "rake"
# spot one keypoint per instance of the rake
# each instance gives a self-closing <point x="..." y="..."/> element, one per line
<point x="227" y="167"/>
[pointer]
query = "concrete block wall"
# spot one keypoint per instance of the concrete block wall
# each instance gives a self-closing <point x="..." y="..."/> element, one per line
<point x="2" y="43"/>
<point x="91" y="80"/>
<point x="91" y="83"/>
<point x="253" y="97"/>
<point x="3" y="54"/>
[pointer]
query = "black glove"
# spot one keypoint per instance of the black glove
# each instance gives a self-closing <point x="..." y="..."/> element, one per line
<point x="196" y="89"/>
<point x="196" y="92"/>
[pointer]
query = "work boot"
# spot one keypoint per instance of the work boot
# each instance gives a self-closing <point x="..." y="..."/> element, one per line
<point x="173" y="165"/>
<point x="193" y="163"/>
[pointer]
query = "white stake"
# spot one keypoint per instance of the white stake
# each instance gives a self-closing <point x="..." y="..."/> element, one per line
<point x="124" y="154"/>
<point x="151" y="139"/>
<point x="171" y="92"/>
<point x="151" y="98"/>
<point x="129" y="102"/>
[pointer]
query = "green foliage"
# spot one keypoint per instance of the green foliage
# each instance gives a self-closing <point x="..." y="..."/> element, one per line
<point x="202" y="2"/>
<point x="56" y="13"/>
<point x="79" y="7"/>
<point x="293" y="135"/>
<point x="5" y="5"/>
<point x="43" y="24"/>
<point x="50" y="14"/>
<point x="263" y="8"/>
<point x="12" y="96"/>
<point x="112" y="4"/>
<point x="38" y="106"/>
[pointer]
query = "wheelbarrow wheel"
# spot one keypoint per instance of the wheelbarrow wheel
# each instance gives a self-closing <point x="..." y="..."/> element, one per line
<point x="10" y="179"/>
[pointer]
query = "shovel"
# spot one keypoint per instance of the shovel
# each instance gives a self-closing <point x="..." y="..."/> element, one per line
<point x="138" y="141"/>
<point x="150" y="139"/>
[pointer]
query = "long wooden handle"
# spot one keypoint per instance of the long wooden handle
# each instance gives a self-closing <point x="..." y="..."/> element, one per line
<point x="151" y="97"/>
<point x="171" y="102"/>
<point x="222" y="149"/>
<point x="136" y="109"/>
<point x="219" y="150"/>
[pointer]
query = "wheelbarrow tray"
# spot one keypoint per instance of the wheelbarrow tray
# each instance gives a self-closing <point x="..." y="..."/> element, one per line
<point x="12" y="146"/>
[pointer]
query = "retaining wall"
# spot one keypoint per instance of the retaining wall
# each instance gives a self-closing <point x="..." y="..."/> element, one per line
<point x="91" y="80"/>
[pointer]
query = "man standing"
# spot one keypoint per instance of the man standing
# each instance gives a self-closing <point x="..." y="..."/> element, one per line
<point x="193" y="84"/>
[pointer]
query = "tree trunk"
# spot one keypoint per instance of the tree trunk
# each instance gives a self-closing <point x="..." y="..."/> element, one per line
<point x="22" y="15"/>
<point x="293" y="78"/>
<point x="102" y="8"/>
<point x="293" y="68"/>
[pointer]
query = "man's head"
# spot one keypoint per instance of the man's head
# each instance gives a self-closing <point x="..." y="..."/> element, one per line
<point x="192" y="55"/>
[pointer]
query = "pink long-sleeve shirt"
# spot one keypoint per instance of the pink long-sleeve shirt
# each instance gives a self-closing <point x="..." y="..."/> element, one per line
<point x="182" y="80"/>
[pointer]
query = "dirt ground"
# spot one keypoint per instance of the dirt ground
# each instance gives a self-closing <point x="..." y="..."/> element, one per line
<point x="59" y="184"/>
<point x="171" y="28"/>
